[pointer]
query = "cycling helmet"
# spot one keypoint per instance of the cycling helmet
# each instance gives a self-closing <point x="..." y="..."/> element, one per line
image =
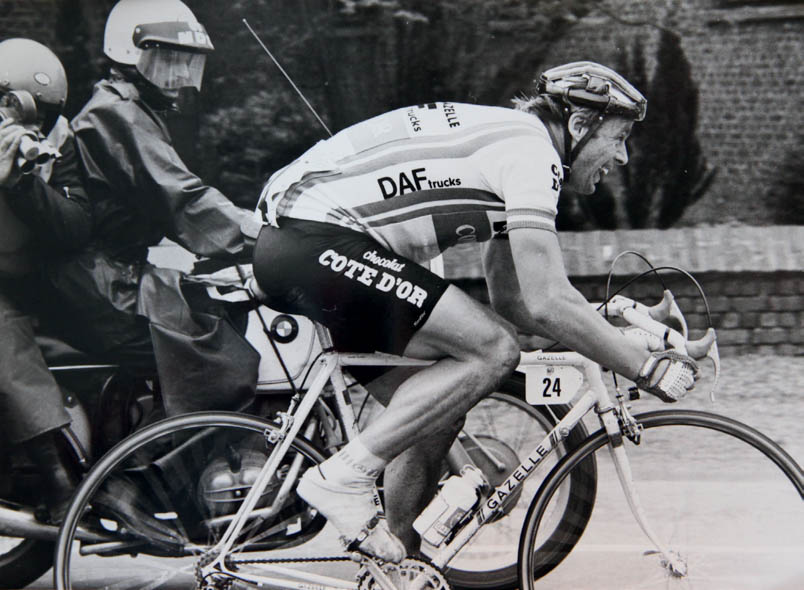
<point x="29" y="67"/>
<point x="589" y="84"/>
<point x="161" y="38"/>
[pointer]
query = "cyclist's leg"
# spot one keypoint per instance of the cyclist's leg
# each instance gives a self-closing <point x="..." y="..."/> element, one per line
<point x="411" y="480"/>
<point x="474" y="352"/>
<point x="396" y="306"/>
<point x="428" y="407"/>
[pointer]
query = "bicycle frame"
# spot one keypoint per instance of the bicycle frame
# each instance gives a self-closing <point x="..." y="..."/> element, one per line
<point x="595" y="398"/>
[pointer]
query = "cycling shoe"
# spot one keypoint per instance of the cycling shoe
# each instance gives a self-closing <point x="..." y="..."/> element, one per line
<point x="355" y="512"/>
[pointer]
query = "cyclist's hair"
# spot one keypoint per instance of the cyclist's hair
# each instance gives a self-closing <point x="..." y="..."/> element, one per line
<point x="543" y="105"/>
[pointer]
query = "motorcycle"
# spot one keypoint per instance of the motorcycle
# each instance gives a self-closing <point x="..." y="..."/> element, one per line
<point x="107" y="402"/>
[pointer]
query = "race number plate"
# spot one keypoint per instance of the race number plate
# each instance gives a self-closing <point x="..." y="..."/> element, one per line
<point x="549" y="385"/>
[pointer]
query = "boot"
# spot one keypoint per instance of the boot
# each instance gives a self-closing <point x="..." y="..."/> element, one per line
<point x="58" y="471"/>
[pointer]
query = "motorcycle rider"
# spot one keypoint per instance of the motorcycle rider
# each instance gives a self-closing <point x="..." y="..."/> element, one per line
<point x="120" y="306"/>
<point x="43" y="214"/>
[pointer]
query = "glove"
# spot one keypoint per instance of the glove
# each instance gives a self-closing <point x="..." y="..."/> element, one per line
<point x="668" y="375"/>
<point x="643" y="338"/>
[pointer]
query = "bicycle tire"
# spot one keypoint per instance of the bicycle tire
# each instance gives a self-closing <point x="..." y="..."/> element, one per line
<point x="466" y="571"/>
<point x="150" y="463"/>
<point x="530" y="567"/>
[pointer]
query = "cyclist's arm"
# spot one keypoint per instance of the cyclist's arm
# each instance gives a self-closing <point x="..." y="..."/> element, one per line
<point x="528" y="286"/>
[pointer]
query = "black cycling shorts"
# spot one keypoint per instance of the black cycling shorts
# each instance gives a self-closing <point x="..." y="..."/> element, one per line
<point x="370" y="298"/>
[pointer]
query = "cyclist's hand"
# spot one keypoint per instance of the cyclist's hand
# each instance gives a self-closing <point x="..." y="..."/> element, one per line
<point x="643" y="338"/>
<point x="668" y="375"/>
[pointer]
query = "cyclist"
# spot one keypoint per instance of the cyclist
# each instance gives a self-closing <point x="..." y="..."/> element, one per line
<point x="120" y="306"/>
<point x="348" y="221"/>
<point x="43" y="214"/>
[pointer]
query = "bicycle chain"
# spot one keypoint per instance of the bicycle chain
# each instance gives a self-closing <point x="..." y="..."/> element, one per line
<point x="223" y="581"/>
<point x="291" y="560"/>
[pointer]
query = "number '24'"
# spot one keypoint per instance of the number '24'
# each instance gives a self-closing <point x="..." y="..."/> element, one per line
<point x="551" y="386"/>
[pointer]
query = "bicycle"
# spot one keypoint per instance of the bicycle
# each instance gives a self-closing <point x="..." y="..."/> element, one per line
<point x="231" y="550"/>
<point x="108" y="403"/>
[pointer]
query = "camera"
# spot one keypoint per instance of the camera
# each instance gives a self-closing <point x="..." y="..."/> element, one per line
<point x="34" y="150"/>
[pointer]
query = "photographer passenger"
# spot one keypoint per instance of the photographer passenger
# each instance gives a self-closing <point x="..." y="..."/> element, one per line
<point x="43" y="215"/>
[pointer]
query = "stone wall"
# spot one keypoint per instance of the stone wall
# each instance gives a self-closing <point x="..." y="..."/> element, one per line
<point x="752" y="277"/>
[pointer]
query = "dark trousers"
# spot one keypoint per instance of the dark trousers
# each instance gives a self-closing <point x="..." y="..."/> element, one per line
<point x="30" y="399"/>
<point x="126" y="311"/>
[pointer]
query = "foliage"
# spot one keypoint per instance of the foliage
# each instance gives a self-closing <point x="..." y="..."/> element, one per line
<point x="667" y="144"/>
<point x="262" y="134"/>
<point x="79" y="50"/>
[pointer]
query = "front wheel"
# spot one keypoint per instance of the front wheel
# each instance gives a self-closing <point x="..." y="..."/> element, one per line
<point x="725" y="509"/>
<point x="498" y="434"/>
<point x="158" y="500"/>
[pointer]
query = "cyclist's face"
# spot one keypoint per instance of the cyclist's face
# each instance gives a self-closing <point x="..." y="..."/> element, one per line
<point x="605" y="150"/>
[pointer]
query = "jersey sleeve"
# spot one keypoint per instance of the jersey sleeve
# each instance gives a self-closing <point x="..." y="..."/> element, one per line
<point x="526" y="173"/>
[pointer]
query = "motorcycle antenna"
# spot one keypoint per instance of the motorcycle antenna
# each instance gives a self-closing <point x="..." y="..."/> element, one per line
<point x="287" y="77"/>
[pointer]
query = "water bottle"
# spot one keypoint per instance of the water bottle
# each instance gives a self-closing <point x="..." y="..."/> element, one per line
<point x="457" y="496"/>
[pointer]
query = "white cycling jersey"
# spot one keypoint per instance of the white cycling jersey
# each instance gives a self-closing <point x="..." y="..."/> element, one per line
<point x="423" y="178"/>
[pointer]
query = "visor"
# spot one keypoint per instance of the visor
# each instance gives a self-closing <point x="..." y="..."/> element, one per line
<point x="171" y="69"/>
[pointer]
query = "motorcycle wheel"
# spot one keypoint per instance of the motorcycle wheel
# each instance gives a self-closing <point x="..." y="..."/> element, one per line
<point x="23" y="560"/>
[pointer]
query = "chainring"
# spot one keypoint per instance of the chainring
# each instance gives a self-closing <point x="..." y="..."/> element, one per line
<point x="403" y="574"/>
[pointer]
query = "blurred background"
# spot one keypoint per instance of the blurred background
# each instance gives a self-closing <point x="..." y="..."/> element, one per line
<point x="715" y="178"/>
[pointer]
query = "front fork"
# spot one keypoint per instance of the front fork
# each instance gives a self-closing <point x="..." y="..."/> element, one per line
<point x="618" y="422"/>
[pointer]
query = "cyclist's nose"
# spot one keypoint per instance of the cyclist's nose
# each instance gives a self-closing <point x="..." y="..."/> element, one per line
<point x="621" y="157"/>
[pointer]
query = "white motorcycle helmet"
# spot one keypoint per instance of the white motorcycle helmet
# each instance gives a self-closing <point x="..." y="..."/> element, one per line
<point x="161" y="38"/>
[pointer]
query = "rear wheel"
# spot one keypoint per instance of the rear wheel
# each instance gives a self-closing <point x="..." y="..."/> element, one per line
<point x="158" y="500"/>
<point x="499" y="433"/>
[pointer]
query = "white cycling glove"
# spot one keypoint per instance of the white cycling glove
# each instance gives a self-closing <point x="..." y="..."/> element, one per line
<point x="668" y="375"/>
<point x="643" y="338"/>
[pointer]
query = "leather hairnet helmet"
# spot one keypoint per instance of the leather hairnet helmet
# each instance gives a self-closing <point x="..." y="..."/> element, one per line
<point x="588" y="84"/>
<point x="29" y="66"/>
<point x="162" y="38"/>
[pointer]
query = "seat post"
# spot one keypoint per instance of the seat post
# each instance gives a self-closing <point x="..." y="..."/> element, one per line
<point x="324" y="336"/>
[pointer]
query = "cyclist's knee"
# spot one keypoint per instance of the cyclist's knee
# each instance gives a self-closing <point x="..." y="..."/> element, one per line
<point x="500" y="351"/>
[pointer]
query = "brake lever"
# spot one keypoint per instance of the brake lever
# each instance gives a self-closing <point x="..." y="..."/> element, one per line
<point x="675" y="313"/>
<point x="706" y="348"/>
